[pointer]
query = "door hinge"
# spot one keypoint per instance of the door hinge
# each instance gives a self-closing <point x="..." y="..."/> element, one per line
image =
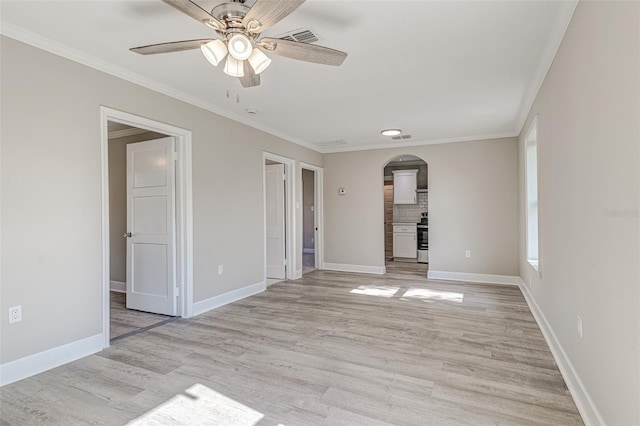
<point x="176" y="291"/>
<point x="174" y="154"/>
<point x="285" y="262"/>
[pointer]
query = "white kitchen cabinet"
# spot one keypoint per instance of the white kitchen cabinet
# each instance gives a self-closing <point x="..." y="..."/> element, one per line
<point x="405" y="241"/>
<point x="405" y="183"/>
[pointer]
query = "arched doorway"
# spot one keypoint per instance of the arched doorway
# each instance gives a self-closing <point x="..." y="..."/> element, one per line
<point x="406" y="210"/>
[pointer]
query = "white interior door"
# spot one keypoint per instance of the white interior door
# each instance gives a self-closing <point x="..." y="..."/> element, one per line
<point x="151" y="234"/>
<point x="274" y="199"/>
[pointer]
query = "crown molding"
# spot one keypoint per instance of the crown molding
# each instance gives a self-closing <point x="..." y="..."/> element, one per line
<point x="558" y="31"/>
<point x="59" y="49"/>
<point x="388" y="145"/>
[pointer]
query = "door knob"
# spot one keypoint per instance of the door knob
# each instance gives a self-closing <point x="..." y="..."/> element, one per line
<point x="127" y="235"/>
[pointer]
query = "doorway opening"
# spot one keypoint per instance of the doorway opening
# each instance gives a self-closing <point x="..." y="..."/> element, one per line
<point x="406" y="226"/>
<point x="308" y="221"/>
<point x="146" y="224"/>
<point x="279" y="233"/>
<point x="311" y="196"/>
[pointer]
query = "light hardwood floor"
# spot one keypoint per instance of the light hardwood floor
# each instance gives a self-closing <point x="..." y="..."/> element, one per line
<point x="329" y="349"/>
<point x="124" y="321"/>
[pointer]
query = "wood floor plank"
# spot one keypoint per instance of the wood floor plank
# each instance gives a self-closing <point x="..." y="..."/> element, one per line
<point x="329" y="349"/>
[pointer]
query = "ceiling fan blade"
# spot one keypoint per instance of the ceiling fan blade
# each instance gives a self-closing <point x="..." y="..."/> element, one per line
<point x="196" y="12"/>
<point x="250" y="79"/>
<point x="173" y="46"/>
<point x="303" y="51"/>
<point x="265" y="13"/>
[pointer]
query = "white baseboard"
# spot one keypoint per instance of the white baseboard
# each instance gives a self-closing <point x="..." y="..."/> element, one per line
<point x="343" y="267"/>
<point x="51" y="358"/>
<point x="298" y="274"/>
<point x="588" y="410"/>
<point x="308" y="250"/>
<point x="474" y="278"/>
<point x="226" y="298"/>
<point x="118" y="286"/>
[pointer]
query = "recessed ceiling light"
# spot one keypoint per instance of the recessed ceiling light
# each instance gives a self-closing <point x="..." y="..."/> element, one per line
<point x="391" y="132"/>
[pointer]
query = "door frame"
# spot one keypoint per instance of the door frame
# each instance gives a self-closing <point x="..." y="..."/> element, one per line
<point x="318" y="213"/>
<point x="290" y="204"/>
<point x="183" y="202"/>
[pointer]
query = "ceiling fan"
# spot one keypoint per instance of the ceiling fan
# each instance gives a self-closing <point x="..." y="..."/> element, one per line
<point x="239" y="27"/>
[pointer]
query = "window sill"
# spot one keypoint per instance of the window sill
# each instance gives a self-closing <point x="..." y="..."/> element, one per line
<point x="535" y="264"/>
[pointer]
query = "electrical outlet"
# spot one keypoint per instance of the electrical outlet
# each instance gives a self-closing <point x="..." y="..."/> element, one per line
<point x="220" y="269"/>
<point x="467" y="253"/>
<point x="579" y="326"/>
<point x="15" y="314"/>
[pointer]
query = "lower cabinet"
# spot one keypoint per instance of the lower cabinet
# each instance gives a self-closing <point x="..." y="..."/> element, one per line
<point x="405" y="244"/>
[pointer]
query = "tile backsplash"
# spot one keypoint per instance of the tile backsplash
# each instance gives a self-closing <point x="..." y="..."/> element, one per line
<point x="410" y="213"/>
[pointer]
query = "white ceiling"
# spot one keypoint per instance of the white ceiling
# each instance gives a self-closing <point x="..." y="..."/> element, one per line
<point x="440" y="70"/>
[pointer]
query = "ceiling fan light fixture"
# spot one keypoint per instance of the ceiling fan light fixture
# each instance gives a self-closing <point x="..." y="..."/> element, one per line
<point x="259" y="61"/>
<point x="391" y="132"/>
<point x="233" y="67"/>
<point x="240" y="47"/>
<point x="214" y="51"/>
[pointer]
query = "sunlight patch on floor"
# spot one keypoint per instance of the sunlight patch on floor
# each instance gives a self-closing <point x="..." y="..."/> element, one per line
<point x="376" y="290"/>
<point x="426" y="294"/>
<point x="200" y="405"/>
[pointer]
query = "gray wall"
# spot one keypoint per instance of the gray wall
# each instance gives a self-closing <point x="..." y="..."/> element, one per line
<point x="51" y="194"/>
<point x="589" y="201"/>
<point x="118" y="202"/>
<point x="473" y="204"/>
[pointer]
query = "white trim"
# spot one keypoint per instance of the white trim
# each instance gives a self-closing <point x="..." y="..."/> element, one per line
<point x="319" y="211"/>
<point x="59" y="49"/>
<point x="588" y="410"/>
<point x="51" y="358"/>
<point x="558" y="30"/>
<point x="67" y="52"/>
<point x="298" y="274"/>
<point x="474" y="278"/>
<point x="229" y="297"/>
<point x="126" y="132"/>
<point x="290" y="212"/>
<point x="363" y="269"/>
<point x="386" y="145"/>
<point x="308" y="250"/>
<point x="117" y="286"/>
<point x="184" y="208"/>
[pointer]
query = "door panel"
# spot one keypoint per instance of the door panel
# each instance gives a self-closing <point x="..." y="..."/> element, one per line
<point x="150" y="268"/>
<point x="275" y="220"/>
<point x="151" y="253"/>
<point x="150" y="215"/>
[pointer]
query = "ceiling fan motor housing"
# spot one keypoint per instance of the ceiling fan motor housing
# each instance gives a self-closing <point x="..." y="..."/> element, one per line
<point x="231" y="13"/>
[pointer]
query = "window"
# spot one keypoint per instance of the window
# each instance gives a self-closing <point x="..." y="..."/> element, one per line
<point x="531" y="170"/>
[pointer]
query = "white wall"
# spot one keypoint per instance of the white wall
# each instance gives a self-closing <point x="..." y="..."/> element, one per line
<point x="589" y="201"/>
<point x="51" y="200"/>
<point x="473" y="204"/>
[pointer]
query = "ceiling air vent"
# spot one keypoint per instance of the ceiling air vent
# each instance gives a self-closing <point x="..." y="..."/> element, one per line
<point x="301" y="35"/>
<point x="399" y="137"/>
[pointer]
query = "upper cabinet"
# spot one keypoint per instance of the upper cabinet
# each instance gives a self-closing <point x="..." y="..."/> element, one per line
<point x="405" y="183"/>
